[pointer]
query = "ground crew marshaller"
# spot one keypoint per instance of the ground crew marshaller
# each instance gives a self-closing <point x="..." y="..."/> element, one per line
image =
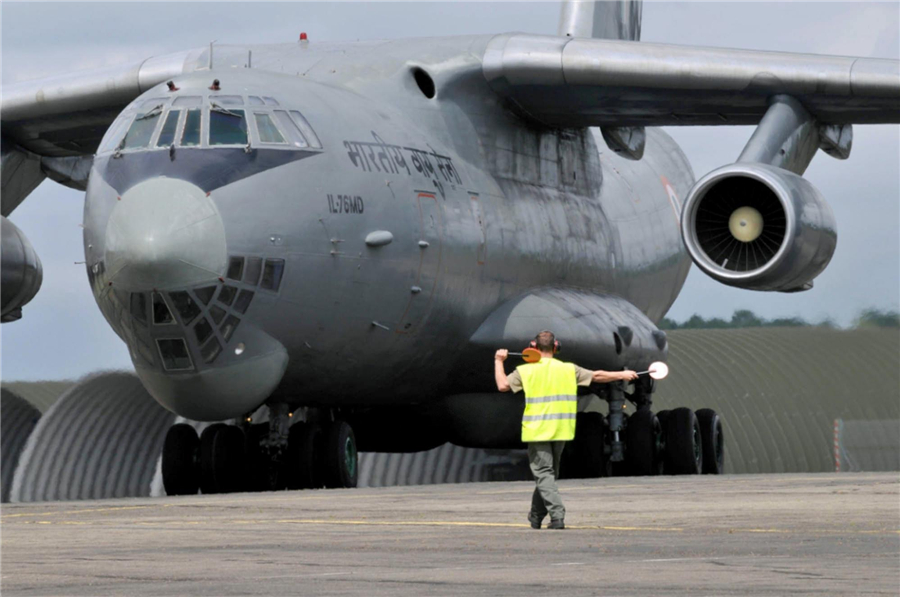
<point x="551" y="404"/>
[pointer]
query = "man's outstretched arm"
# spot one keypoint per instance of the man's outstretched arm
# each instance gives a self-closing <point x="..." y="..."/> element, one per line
<point x="500" y="371"/>
<point x="600" y="376"/>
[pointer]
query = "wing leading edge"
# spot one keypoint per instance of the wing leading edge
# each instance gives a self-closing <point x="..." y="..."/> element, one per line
<point x="570" y="82"/>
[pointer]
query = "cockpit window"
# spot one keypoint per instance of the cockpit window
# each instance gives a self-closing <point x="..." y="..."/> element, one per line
<point x="255" y="101"/>
<point x="141" y="129"/>
<point x="268" y="131"/>
<point x="113" y="136"/>
<point x="227" y="100"/>
<point x="293" y="131"/>
<point x="227" y="127"/>
<point x="187" y="100"/>
<point x="271" y="101"/>
<point x="167" y="134"/>
<point x="191" y="135"/>
<point x="308" y="131"/>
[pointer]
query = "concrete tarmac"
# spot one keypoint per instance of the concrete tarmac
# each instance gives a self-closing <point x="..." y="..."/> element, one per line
<point x="825" y="534"/>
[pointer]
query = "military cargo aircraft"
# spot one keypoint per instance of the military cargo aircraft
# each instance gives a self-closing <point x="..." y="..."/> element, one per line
<point x="265" y="223"/>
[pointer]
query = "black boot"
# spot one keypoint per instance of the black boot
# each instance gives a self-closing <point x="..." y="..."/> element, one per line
<point x="556" y="523"/>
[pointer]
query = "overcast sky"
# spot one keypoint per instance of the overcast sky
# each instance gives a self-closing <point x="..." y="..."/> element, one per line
<point x="63" y="335"/>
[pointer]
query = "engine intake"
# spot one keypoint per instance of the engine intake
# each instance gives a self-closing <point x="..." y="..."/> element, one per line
<point x="758" y="227"/>
<point x="21" y="270"/>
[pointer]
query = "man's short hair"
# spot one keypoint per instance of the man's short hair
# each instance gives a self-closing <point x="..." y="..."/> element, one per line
<point x="545" y="341"/>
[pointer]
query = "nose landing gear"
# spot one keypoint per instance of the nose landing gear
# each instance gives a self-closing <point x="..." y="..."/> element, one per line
<point x="229" y="458"/>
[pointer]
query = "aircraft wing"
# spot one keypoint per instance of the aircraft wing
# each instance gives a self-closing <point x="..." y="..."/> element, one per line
<point x="576" y="82"/>
<point x="54" y="125"/>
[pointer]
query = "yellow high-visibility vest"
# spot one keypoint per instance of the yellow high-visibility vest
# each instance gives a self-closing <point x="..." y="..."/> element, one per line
<point x="551" y="401"/>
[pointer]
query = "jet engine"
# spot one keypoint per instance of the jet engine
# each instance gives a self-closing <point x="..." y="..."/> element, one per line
<point x="758" y="227"/>
<point x="21" y="270"/>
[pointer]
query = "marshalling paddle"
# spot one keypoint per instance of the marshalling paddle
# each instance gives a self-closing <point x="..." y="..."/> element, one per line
<point x="529" y="355"/>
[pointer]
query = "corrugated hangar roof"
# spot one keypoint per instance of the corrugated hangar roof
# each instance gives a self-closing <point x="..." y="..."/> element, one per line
<point x="779" y="390"/>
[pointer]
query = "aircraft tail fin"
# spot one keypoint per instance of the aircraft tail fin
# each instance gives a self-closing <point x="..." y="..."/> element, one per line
<point x="603" y="19"/>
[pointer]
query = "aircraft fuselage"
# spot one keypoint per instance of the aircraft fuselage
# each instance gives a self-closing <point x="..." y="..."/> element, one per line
<point x="389" y="243"/>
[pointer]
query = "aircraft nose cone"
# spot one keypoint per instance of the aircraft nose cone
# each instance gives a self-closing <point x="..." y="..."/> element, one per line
<point x="164" y="233"/>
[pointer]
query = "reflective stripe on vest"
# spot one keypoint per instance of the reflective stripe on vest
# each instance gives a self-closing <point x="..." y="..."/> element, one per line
<point x="551" y="401"/>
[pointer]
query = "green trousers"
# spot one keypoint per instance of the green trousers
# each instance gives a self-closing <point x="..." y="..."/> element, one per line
<point x="543" y="457"/>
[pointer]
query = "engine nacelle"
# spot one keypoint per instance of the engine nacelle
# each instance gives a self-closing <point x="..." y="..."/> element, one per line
<point x="21" y="271"/>
<point x="758" y="227"/>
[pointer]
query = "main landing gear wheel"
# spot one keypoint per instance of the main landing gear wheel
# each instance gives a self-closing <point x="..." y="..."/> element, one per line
<point x="304" y="440"/>
<point x="180" y="458"/>
<point x="340" y="456"/>
<point x="643" y="443"/>
<point x="585" y="457"/>
<point x="684" y="451"/>
<point x="222" y="459"/>
<point x="713" y="441"/>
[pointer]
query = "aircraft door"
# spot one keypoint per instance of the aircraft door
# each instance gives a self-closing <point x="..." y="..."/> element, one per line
<point x="429" y="247"/>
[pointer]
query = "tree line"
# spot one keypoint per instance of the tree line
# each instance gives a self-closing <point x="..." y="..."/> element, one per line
<point x="744" y="318"/>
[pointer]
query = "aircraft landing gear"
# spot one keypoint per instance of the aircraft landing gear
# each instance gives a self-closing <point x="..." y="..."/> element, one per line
<point x="674" y="442"/>
<point x="180" y="460"/>
<point x="230" y="458"/>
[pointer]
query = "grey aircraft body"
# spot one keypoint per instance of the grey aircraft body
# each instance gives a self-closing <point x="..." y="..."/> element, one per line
<point x="339" y="236"/>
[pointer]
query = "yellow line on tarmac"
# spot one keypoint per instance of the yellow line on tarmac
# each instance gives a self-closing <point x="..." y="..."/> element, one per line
<point x="82" y="510"/>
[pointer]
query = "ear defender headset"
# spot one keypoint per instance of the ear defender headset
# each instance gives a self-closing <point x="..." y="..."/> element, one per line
<point x="556" y="345"/>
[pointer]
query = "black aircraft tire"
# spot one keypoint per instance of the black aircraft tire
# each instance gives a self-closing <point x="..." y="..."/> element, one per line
<point x="684" y="450"/>
<point x="303" y="453"/>
<point x="258" y="462"/>
<point x="713" y="441"/>
<point x="590" y="437"/>
<point x="207" y="472"/>
<point x="642" y="443"/>
<point x="180" y="453"/>
<point x="340" y="456"/>
<point x="229" y="459"/>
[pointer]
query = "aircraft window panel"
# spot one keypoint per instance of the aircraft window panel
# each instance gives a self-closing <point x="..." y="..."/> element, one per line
<point x="115" y="133"/>
<point x="139" y="307"/>
<point x="272" y="273"/>
<point x="268" y="130"/>
<point x="185" y="305"/>
<point x="174" y="354"/>
<point x="271" y="101"/>
<point x="226" y="295"/>
<point x="235" y="268"/>
<point x="161" y="313"/>
<point x="308" y="131"/>
<point x="228" y="327"/>
<point x="217" y="313"/>
<point x="187" y="101"/>
<point x="205" y="294"/>
<point x="255" y="100"/>
<point x="202" y="330"/>
<point x="243" y="301"/>
<point x="227" y="127"/>
<point x="192" y="128"/>
<point x="141" y="130"/>
<point x="293" y="130"/>
<point x="211" y="350"/>
<point x="252" y="271"/>
<point x="227" y="100"/>
<point x="169" y="128"/>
